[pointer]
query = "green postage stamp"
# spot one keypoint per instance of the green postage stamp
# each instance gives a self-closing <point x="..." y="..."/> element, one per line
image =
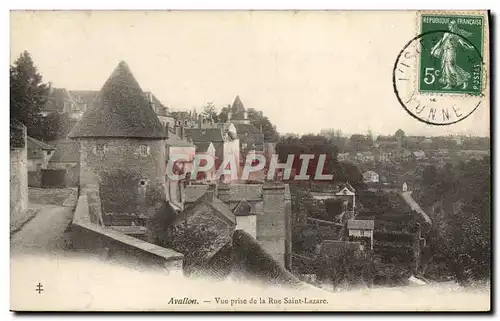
<point x="440" y="76"/>
<point x="450" y="57"/>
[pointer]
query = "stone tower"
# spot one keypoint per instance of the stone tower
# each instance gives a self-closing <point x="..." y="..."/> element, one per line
<point x="239" y="114"/>
<point x="122" y="150"/>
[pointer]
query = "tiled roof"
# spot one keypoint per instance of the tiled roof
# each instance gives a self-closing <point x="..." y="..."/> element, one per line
<point x="360" y="224"/>
<point x="202" y="146"/>
<point x="251" y="260"/>
<point x="194" y="192"/>
<point x="34" y="146"/>
<point x="216" y="204"/>
<point x="346" y="185"/>
<point x="120" y="110"/>
<point x="242" y="209"/>
<point x="222" y="209"/>
<point x="175" y="141"/>
<point x="35" y="143"/>
<point x="243" y="129"/>
<point x="205" y="135"/>
<point x="67" y="151"/>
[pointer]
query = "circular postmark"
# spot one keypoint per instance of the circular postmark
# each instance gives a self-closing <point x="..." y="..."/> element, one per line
<point x="439" y="77"/>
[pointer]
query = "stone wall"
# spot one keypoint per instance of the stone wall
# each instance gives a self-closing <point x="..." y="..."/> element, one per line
<point x="247" y="223"/>
<point x="122" y="154"/>
<point x="118" y="165"/>
<point x="35" y="179"/>
<point x="112" y="245"/>
<point x="18" y="171"/>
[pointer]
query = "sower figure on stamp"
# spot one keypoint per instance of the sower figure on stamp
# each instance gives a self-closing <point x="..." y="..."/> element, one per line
<point x="446" y="49"/>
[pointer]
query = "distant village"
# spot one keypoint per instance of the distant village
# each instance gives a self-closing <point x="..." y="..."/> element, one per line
<point x="117" y="153"/>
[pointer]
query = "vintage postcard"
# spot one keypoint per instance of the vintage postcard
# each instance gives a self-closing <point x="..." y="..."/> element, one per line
<point x="250" y="161"/>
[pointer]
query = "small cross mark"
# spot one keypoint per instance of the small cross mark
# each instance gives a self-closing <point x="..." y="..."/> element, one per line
<point x="39" y="288"/>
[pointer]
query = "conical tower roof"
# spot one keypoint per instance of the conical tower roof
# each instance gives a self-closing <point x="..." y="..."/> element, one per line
<point x="120" y="110"/>
<point x="238" y="105"/>
<point x="238" y="109"/>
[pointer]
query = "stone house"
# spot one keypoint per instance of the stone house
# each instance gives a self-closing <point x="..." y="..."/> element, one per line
<point x="261" y="210"/>
<point x="39" y="154"/>
<point x="361" y="228"/>
<point x="122" y="148"/>
<point x="348" y="194"/>
<point x="370" y="177"/>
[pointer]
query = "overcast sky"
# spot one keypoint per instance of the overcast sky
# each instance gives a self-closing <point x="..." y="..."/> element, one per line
<point x="306" y="71"/>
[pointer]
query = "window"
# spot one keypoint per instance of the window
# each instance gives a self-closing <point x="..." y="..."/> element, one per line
<point x="362" y="233"/>
<point x="101" y="148"/>
<point x="38" y="167"/>
<point x="144" y="149"/>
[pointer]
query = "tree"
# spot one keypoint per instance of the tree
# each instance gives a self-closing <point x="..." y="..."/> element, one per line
<point x="459" y="199"/>
<point x="308" y="144"/>
<point x="53" y="126"/>
<point x="27" y="92"/>
<point x="263" y="123"/>
<point x="210" y="112"/>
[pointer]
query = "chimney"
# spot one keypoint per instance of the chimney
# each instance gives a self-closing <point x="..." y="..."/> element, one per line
<point x="51" y="89"/>
<point x="229" y="115"/>
<point x="245" y="115"/>
<point x="150" y="97"/>
<point x="273" y="222"/>
<point x="224" y="192"/>
<point x="211" y="191"/>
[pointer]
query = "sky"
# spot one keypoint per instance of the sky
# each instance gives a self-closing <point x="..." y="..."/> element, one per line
<point x="306" y="70"/>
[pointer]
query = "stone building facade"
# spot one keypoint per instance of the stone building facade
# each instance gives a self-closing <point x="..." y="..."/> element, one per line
<point x="122" y="148"/>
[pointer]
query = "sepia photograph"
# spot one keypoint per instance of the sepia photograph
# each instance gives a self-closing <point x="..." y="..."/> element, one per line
<point x="237" y="160"/>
